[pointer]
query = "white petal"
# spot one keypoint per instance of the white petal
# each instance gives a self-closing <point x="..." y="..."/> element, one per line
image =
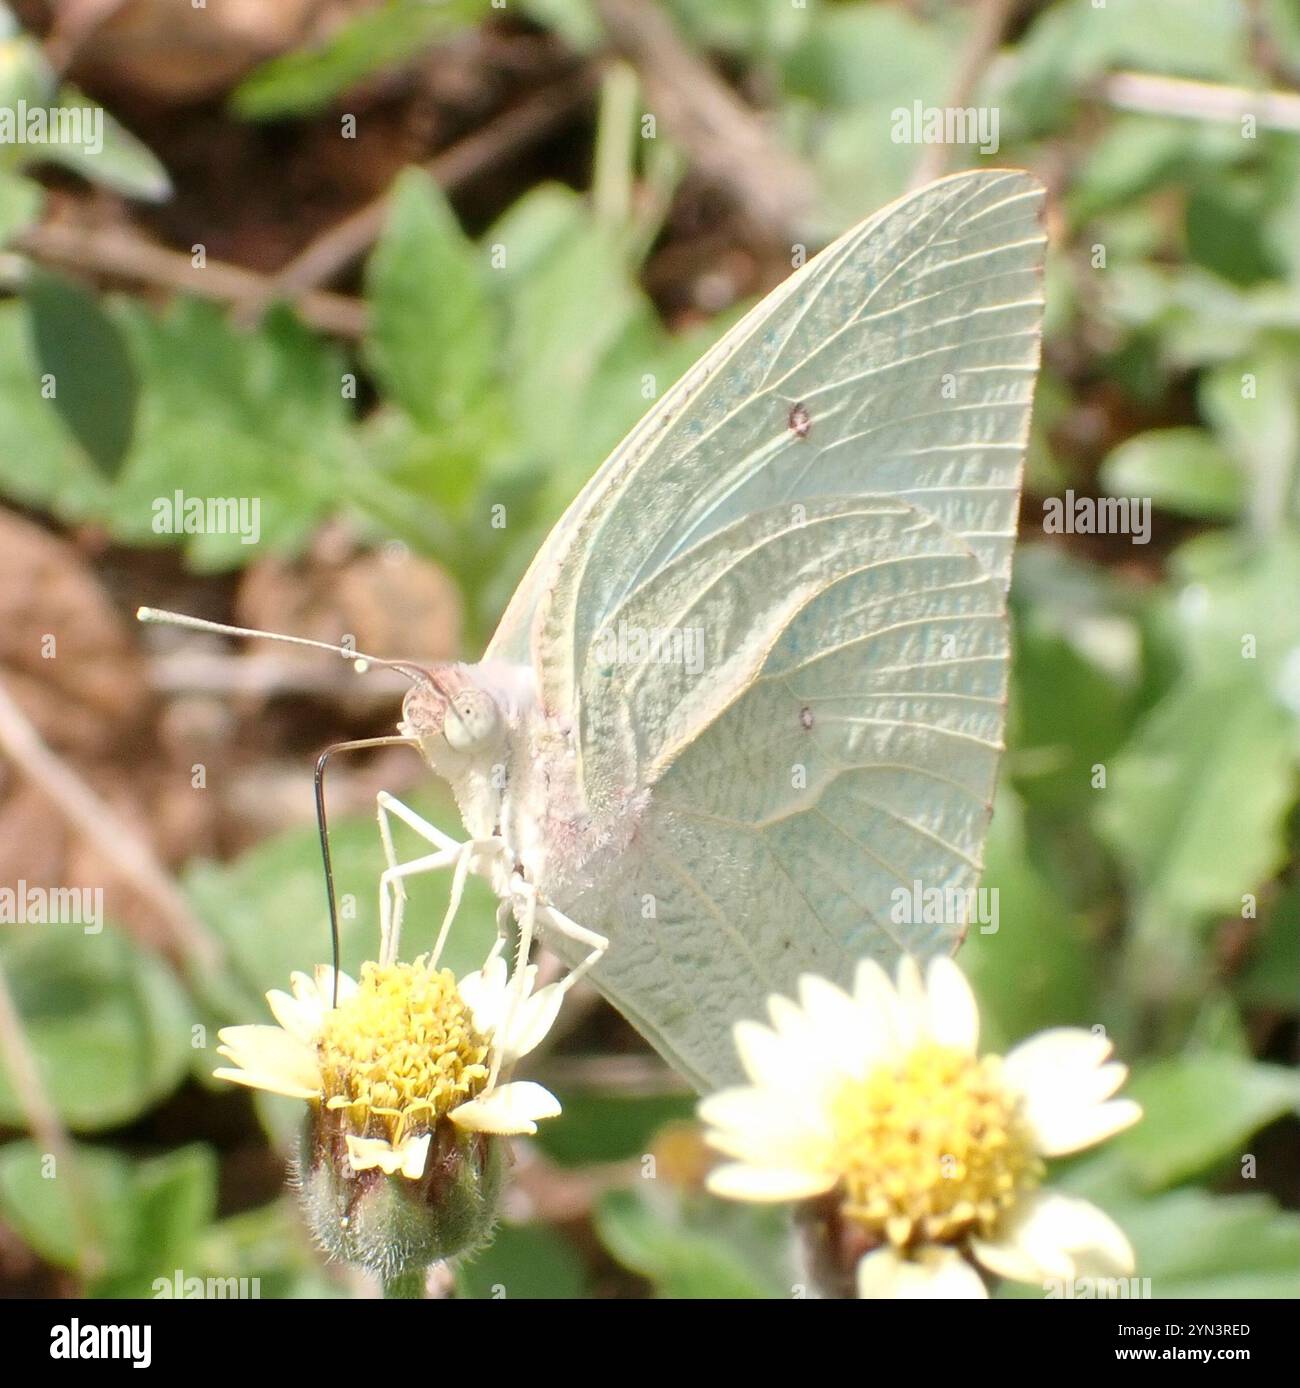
<point x="935" y="1274"/>
<point x="850" y="1039"/>
<point x="1063" y="1079"/>
<point x="300" y="1017"/>
<point x="1068" y="1128"/>
<point x="269" y="1058"/>
<point x="954" y="1017"/>
<point x="740" y="1181"/>
<point x="273" y="1084"/>
<point x="484" y="993"/>
<point x="797" y="1031"/>
<point x="1054" y="1056"/>
<point x="767" y="1057"/>
<point x="325" y="985"/>
<point x="877" y="1009"/>
<point x="408" y="1157"/>
<point x="874" y="993"/>
<point x="509" y="1108"/>
<point x="912" y="1016"/>
<point x="766" y="1126"/>
<point x="535" y="1017"/>
<point x="305" y="990"/>
<point x="1049" y="1236"/>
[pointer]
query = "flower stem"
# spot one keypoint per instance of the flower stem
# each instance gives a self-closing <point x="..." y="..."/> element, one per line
<point x="408" y="1284"/>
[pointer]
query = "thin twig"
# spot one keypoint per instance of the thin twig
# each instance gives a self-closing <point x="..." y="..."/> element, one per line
<point x="45" y="1125"/>
<point x="1154" y="95"/>
<point x="114" y="251"/>
<point x="334" y="250"/>
<point x="725" y="141"/>
<point x="121" y="845"/>
<point x="981" y="44"/>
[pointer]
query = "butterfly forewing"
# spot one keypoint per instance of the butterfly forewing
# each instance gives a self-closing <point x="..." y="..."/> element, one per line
<point x="775" y="618"/>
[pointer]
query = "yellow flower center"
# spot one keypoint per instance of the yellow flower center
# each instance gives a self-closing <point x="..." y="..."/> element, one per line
<point x="402" y="1051"/>
<point x="932" y="1148"/>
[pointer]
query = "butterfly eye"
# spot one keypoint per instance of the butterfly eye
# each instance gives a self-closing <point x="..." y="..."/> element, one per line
<point x="472" y="720"/>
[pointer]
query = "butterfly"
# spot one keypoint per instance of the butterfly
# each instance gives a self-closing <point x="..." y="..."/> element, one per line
<point x="749" y="698"/>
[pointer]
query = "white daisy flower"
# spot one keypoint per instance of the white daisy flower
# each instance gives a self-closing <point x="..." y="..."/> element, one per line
<point x="927" y="1157"/>
<point x="404" y="1048"/>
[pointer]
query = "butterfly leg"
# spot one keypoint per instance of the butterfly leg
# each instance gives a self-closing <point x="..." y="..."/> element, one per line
<point x="523" y="901"/>
<point x="392" y="889"/>
<point x="531" y="913"/>
<point x="470" y="859"/>
<point x="552" y="919"/>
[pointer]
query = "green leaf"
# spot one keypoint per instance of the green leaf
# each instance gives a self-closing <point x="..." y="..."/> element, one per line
<point x="1198" y="1110"/>
<point x="696" y="1248"/>
<point x="533" y="229"/>
<point x="1226" y="231"/>
<point x="1195" y="1245"/>
<point x="527" y="1263"/>
<point x="269" y="1247"/>
<point x="257" y="417"/>
<point x="609" y="1127"/>
<point x="143" y="1217"/>
<point x="1233" y="614"/>
<point x="1134" y="155"/>
<point x="50" y="1207"/>
<point x="433" y="337"/>
<point x="107" y="1022"/>
<point x="845" y="98"/>
<point x="1252" y="405"/>
<point x="1205" y="746"/>
<point x="1034" y="969"/>
<point x="112" y="157"/>
<point x="1182" y="470"/>
<point x="1074" y="676"/>
<point x="1272" y="977"/>
<point x="20" y="204"/>
<point x="308" y="79"/>
<point x="41" y="464"/>
<point x="566" y="316"/>
<point x="87" y="358"/>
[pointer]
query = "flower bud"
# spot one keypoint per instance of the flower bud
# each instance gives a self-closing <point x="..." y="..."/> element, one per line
<point x="391" y="1225"/>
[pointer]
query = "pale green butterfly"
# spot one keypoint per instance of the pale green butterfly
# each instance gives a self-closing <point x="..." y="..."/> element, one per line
<point x="754" y="684"/>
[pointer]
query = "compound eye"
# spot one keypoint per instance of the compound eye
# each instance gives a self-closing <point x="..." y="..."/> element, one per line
<point x="471" y="720"/>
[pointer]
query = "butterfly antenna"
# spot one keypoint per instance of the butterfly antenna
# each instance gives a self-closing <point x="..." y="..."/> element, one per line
<point x="322" y="827"/>
<point x="157" y="616"/>
<point x="412" y="672"/>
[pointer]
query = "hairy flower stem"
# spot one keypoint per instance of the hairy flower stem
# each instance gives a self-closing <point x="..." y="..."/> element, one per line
<point x="407" y="1285"/>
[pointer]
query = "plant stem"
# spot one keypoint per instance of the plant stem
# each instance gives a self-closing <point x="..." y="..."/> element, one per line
<point x="408" y="1285"/>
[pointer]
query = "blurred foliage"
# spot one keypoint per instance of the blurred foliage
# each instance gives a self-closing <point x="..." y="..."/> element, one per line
<point x="1145" y="838"/>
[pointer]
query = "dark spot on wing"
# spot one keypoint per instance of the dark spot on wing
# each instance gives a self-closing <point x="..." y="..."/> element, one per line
<point x="806" y="716"/>
<point x="800" y="421"/>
